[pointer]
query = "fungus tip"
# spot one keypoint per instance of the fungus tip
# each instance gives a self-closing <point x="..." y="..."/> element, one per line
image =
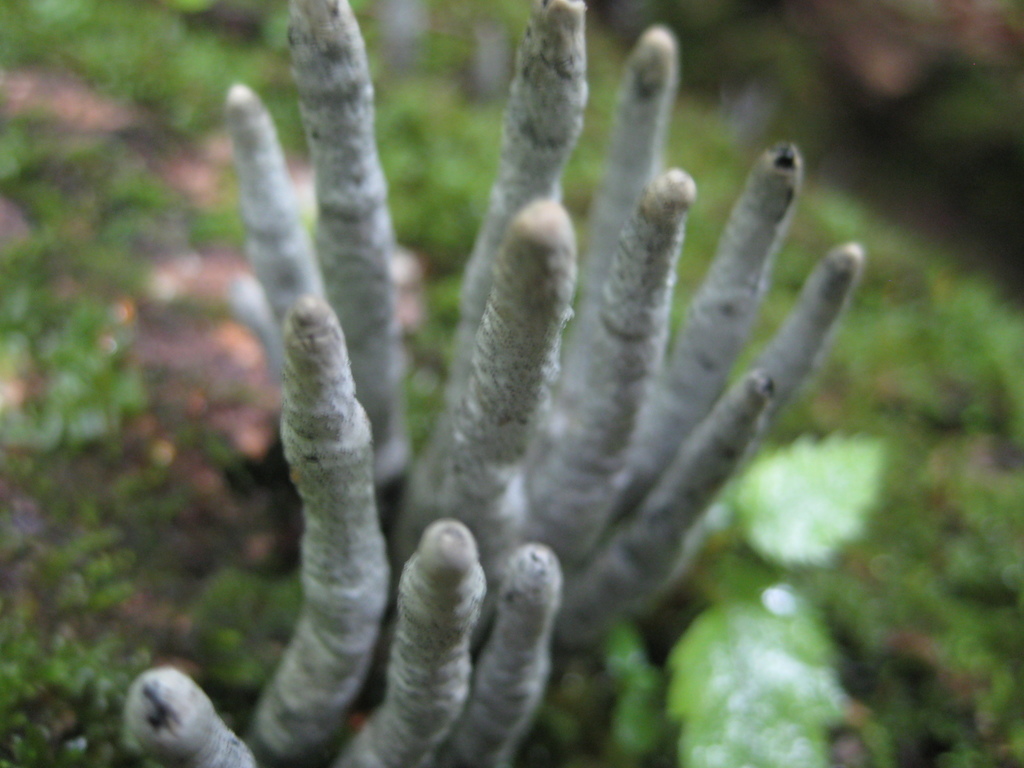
<point x="447" y="550"/>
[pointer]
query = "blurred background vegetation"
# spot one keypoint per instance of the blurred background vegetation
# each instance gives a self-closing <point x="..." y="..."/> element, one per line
<point x="142" y="515"/>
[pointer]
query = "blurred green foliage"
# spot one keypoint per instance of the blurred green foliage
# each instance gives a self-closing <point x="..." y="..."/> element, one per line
<point x="800" y="505"/>
<point x="754" y="687"/>
<point x="243" y="620"/>
<point x="752" y="679"/>
<point x="70" y="357"/>
<point x="639" y="727"/>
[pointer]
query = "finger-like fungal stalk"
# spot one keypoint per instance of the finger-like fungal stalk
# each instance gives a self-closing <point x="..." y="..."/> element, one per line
<point x="276" y="242"/>
<point x="646" y="96"/>
<point x="803" y="341"/>
<point x="514" y="364"/>
<point x="543" y="119"/>
<point x="794" y="354"/>
<point x="345" y="575"/>
<point x="624" y="506"/>
<point x="719" y="320"/>
<point x="250" y="306"/>
<point x="622" y="577"/>
<point x="354" y="236"/>
<point x="403" y="24"/>
<point x="512" y="672"/>
<point x="170" y="717"/>
<point x="439" y="599"/>
<point x="492" y="61"/>
<point x="569" y="474"/>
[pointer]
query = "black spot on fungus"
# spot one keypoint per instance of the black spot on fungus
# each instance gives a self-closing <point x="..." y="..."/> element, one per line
<point x="160" y="714"/>
<point x="785" y="157"/>
<point x="646" y="86"/>
<point x="705" y="362"/>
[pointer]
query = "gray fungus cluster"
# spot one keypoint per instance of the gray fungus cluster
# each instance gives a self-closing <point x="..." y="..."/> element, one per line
<point x="572" y="482"/>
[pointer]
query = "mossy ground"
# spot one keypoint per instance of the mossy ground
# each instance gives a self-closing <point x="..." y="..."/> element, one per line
<point x="136" y="518"/>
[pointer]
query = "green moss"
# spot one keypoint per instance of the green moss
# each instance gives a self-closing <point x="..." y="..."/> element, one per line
<point x="90" y="202"/>
<point x="61" y="700"/>
<point x="64" y="668"/>
<point x="439" y="169"/>
<point x="242" y="621"/>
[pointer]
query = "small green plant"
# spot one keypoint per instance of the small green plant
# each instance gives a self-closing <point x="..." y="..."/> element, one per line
<point x="752" y="680"/>
<point x="639" y="727"/>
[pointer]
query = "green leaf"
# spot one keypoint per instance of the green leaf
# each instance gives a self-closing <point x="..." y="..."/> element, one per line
<point x="638" y="721"/>
<point x="754" y="686"/>
<point x="801" y="504"/>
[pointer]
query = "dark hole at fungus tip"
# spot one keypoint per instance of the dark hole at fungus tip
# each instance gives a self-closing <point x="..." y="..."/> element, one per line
<point x="160" y="715"/>
<point x="763" y="384"/>
<point x="785" y="157"/>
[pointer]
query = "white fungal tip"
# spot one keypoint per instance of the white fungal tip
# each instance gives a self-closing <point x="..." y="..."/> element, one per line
<point x="447" y="551"/>
<point x="310" y="320"/>
<point x="655" y="58"/>
<point x="316" y="12"/>
<point x="310" y="310"/>
<point x="562" y="13"/>
<point x="659" y="40"/>
<point x="672" y="192"/>
<point x="537" y="263"/>
<point x="168" y="714"/>
<point x="543" y="224"/>
<point x="311" y="328"/>
<point x="241" y="98"/>
<point x="848" y="257"/>
<point x="533" y="575"/>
